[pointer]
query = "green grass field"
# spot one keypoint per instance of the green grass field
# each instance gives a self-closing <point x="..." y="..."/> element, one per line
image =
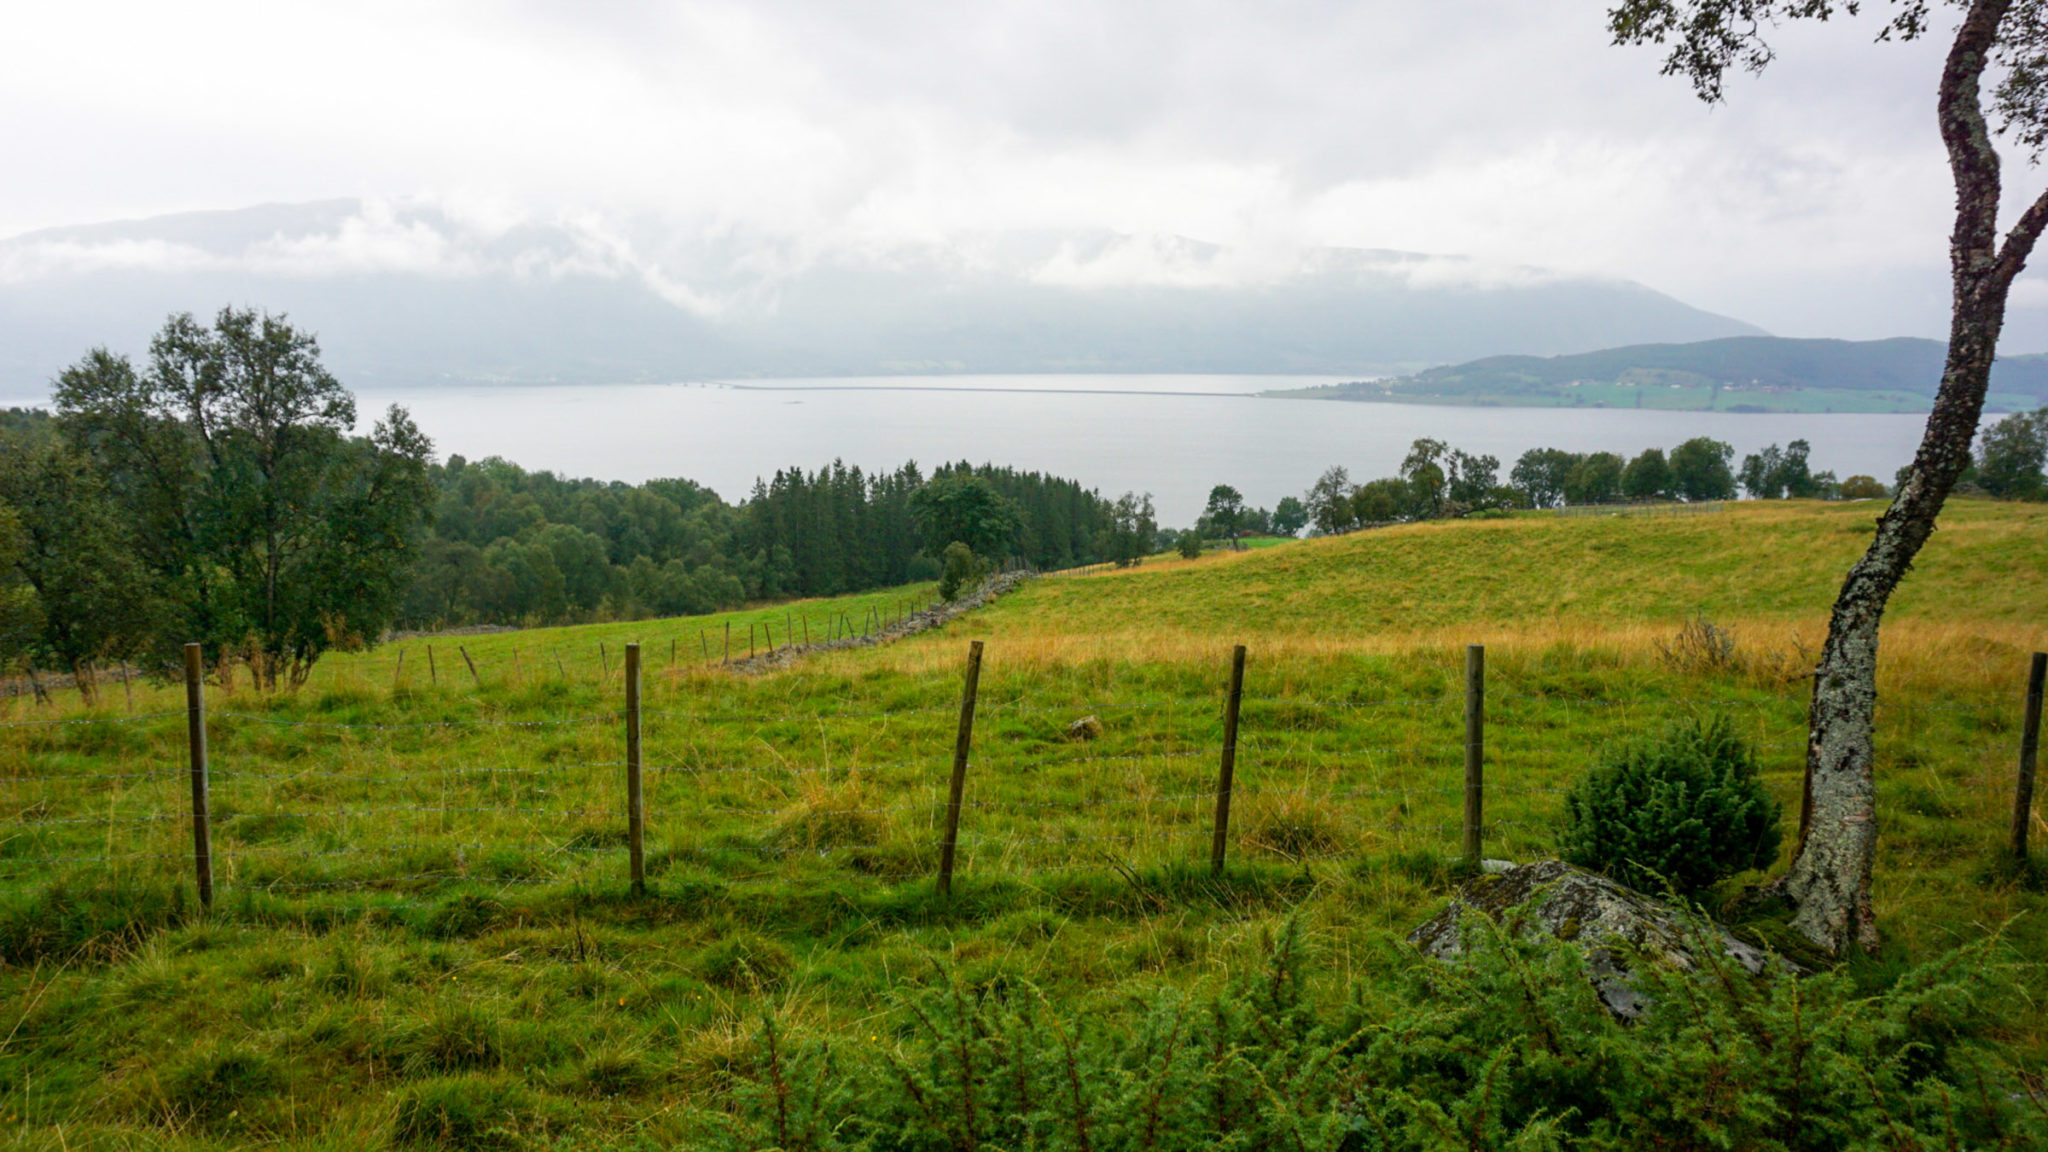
<point x="422" y="880"/>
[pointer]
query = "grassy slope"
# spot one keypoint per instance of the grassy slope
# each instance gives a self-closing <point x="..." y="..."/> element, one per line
<point x="465" y="928"/>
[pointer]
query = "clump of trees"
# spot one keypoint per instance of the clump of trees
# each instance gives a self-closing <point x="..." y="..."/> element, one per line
<point x="1698" y="469"/>
<point x="2012" y="457"/>
<point x="1437" y="480"/>
<point x="216" y="494"/>
<point x="511" y="546"/>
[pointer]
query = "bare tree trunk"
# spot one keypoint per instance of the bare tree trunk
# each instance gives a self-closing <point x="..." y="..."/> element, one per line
<point x="1829" y="882"/>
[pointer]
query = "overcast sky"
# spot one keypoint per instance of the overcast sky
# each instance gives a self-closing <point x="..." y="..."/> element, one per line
<point x="1815" y="202"/>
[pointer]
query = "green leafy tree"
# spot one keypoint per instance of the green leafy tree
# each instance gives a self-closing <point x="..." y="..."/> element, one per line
<point x="20" y="615"/>
<point x="962" y="569"/>
<point x="1700" y="470"/>
<point x="1380" y="501"/>
<point x="1863" y="488"/>
<point x="1189" y="545"/>
<point x="1328" y="502"/>
<point x="1473" y="482"/>
<point x="2012" y="454"/>
<point x="1132" y="531"/>
<point x="1647" y="477"/>
<point x="1541" y="475"/>
<point x="1777" y="473"/>
<point x="1761" y="474"/>
<point x="1428" y="482"/>
<point x="1290" y="516"/>
<point x="270" y="531"/>
<point x="1828" y="885"/>
<point x="77" y="555"/>
<point x="1594" y="479"/>
<point x="1225" y="514"/>
<point x="967" y="509"/>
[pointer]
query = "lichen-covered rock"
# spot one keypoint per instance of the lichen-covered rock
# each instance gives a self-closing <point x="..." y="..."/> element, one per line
<point x="1086" y="728"/>
<point x="1614" y="924"/>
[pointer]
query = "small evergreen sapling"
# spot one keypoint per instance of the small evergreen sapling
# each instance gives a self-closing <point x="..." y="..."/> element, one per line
<point x="1688" y="809"/>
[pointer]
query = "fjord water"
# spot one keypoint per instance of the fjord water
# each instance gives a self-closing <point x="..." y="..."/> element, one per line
<point x="1172" y="436"/>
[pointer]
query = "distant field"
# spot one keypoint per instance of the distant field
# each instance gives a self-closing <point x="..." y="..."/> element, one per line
<point x="422" y="879"/>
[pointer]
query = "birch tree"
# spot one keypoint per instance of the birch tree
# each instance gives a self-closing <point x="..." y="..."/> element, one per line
<point x="2004" y="42"/>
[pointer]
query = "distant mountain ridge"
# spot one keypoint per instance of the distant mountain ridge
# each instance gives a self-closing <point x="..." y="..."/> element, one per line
<point x="1736" y="374"/>
<point x="414" y="293"/>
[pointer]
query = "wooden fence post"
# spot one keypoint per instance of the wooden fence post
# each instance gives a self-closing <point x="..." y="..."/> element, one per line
<point x="472" y="666"/>
<point x="1229" y="769"/>
<point x="959" y="782"/>
<point x="635" y="816"/>
<point x="1475" y="750"/>
<point x="2030" y="749"/>
<point x="195" y="736"/>
<point x="807" y="630"/>
<point x="398" y="677"/>
<point x="728" y="643"/>
<point x="433" y="674"/>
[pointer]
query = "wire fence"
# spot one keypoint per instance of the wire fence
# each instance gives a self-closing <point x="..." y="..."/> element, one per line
<point x="292" y="808"/>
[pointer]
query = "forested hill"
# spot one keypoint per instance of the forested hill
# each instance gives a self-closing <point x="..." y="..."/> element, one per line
<point x="1737" y="374"/>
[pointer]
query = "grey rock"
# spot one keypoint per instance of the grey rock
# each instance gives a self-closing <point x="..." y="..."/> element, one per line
<point x="1613" y="923"/>
<point x="1086" y="728"/>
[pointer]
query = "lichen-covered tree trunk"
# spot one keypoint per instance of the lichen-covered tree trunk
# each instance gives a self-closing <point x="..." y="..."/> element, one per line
<point x="1829" y="882"/>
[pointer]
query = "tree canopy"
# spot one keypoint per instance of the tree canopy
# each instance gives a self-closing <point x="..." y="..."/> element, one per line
<point x="266" y="528"/>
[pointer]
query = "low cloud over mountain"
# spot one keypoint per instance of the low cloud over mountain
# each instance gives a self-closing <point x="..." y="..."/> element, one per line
<point x="417" y="292"/>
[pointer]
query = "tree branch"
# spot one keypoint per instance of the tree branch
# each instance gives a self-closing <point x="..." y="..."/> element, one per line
<point x="1971" y="158"/>
<point x="2019" y="243"/>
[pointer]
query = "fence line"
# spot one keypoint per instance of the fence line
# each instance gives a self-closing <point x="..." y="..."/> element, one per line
<point x="566" y="790"/>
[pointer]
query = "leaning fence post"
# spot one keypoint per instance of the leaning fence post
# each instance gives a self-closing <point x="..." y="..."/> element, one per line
<point x="635" y="817"/>
<point x="1475" y="749"/>
<point x="2030" y="748"/>
<point x="433" y="675"/>
<point x="959" y="782"/>
<point x="472" y="665"/>
<point x="1229" y="769"/>
<point x="195" y="735"/>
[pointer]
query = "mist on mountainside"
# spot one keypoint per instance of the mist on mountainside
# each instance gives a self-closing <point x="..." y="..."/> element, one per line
<point x="412" y="293"/>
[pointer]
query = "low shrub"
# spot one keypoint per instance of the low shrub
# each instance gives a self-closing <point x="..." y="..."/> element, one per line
<point x="1509" y="1047"/>
<point x="1687" y="810"/>
<point x="963" y="569"/>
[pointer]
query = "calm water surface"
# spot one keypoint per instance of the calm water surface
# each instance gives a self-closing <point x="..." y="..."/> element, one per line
<point x="1172" y="436"/>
